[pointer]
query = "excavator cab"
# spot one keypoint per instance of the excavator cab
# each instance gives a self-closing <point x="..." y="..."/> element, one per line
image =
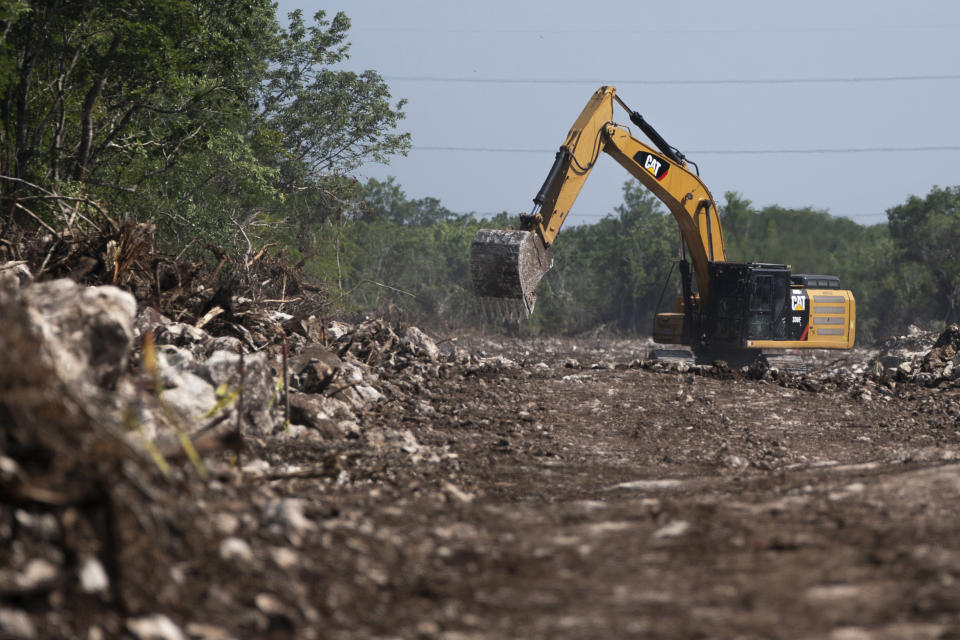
<point x="748" y="302"/>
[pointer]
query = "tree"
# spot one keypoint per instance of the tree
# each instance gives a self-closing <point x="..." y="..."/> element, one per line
<point x="612" y="272"/>
<point x="926" y="234"/>
<point x="402" y="256"/>
<point x="387" y="200"/>
<point x="204" y="116"/>
<point x="326" y="122"/>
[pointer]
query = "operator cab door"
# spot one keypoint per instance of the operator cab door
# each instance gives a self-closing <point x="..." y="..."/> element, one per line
<point x="766" y="312"/>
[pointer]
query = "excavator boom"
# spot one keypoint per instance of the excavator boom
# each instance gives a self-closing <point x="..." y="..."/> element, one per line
<point x="511" y="264"/>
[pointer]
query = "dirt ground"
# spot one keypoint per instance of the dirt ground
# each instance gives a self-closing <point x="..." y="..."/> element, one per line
<point x="558" y="499"/>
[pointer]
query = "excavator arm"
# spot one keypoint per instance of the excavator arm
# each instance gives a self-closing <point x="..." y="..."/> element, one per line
<point x="663" y="171"/>
<point x="668" y="178"/>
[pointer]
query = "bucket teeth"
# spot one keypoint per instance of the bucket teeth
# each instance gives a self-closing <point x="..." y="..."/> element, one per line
<point x="508" y="264"/>
<point x="503" y="310"/>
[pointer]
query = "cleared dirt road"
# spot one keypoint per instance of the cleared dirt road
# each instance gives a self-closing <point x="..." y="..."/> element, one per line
<point x="544" y="501"/>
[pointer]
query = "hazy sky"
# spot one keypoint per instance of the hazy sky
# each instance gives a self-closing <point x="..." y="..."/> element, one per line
<point x="853" y="104"/>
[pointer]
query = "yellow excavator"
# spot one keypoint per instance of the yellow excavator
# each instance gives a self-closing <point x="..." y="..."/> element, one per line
<point x="731" y="311"/>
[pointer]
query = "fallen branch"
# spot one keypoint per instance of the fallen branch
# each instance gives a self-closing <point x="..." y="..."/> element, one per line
<point x="379" y="284"/>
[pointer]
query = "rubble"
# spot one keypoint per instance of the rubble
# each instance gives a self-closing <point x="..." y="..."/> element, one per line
<point x="328" y="469"/>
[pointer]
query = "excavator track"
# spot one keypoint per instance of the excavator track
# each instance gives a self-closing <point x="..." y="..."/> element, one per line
<point x="508" y="264"/>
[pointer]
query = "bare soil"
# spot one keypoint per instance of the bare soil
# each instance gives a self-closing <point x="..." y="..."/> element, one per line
<point x="547" y="501"/>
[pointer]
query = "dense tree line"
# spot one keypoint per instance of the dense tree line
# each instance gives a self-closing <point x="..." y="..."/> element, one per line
<point x="410" y="256"/>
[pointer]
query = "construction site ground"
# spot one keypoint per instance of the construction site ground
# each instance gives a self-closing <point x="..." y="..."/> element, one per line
<point x="628" y="502"/>
<point x="547" y="501"/>
<point x="565" y="494"/>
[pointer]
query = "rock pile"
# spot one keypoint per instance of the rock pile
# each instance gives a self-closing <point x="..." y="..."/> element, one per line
<point x="102" y="406"/>
<point x="923" y="358"/>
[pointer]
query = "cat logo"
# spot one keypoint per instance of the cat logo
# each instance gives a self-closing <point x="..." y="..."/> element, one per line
<point x="652" y="165"/>
<point x="798" y="301"/>
<point x="655" y="165"/>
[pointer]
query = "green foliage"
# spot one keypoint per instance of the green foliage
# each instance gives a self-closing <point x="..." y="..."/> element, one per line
<point x="814" y="242"/>
<point x="408" y="257"/>
<point x="613" y="272"/>
<point x="327" y="122"/>
<point x="205" y="117"/>
<point x="926" y="235"/>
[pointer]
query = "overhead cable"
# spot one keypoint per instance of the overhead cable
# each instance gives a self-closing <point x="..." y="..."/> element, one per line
<point x="715" y="151"/>
<point x="693" y="81"/>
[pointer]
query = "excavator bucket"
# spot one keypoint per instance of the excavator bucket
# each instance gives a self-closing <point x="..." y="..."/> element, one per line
<point x="508" y="264"/>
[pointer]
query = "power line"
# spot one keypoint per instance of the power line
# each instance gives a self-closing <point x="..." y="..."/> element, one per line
<point x="719" y="81"/>
<point x="613" y="215"/>
<point x="634" y="32"/>
<point x="715" y="151"/>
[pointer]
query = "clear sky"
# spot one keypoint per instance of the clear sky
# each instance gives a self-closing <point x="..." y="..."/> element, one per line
<point x="848" y="106"/>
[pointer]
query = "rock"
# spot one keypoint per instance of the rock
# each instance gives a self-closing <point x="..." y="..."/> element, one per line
<point x="288" y="514"/>
<point x="571" y="363"/>
<point x="88" y="331"/>
<point x="359" y="396"/>
<point x="320" y="413"/>
<point x="42" y="526"/>
<point x="285" y="558"/>
<point x="280" y="616"/>
<point x="191" y="397"/>
<point x="336" y="330"/>
<point x="16" y="271"/>
<point x="315" y="376"/>
<point x="187" y="393"/>
<point x="183" y="335"/>
<point x="39" y="573"/>
<point x="350" y="387"/>
<point x="16" y="625"/>
<point x="256" y="466"/>
<point x="900" y="349"/>
<point x="459" y="355"/>
<point x="419" y="344"/>
<point x="223" y="370"/>
<point x="236" y="549"/>
<point x="174" y="359"/>
<point x="602" y="365"/>
<point x="225" y="343"/>
<point x="674" y="529"/>
<point x="93" y="579"/>
<point x="226" y="523"/>
<point x="154" y="627"/>
<point x="457" y="494"/>
<point x="198" y="631"/>
<point x="149" y="319"/>
<point x="403" y="440"/>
